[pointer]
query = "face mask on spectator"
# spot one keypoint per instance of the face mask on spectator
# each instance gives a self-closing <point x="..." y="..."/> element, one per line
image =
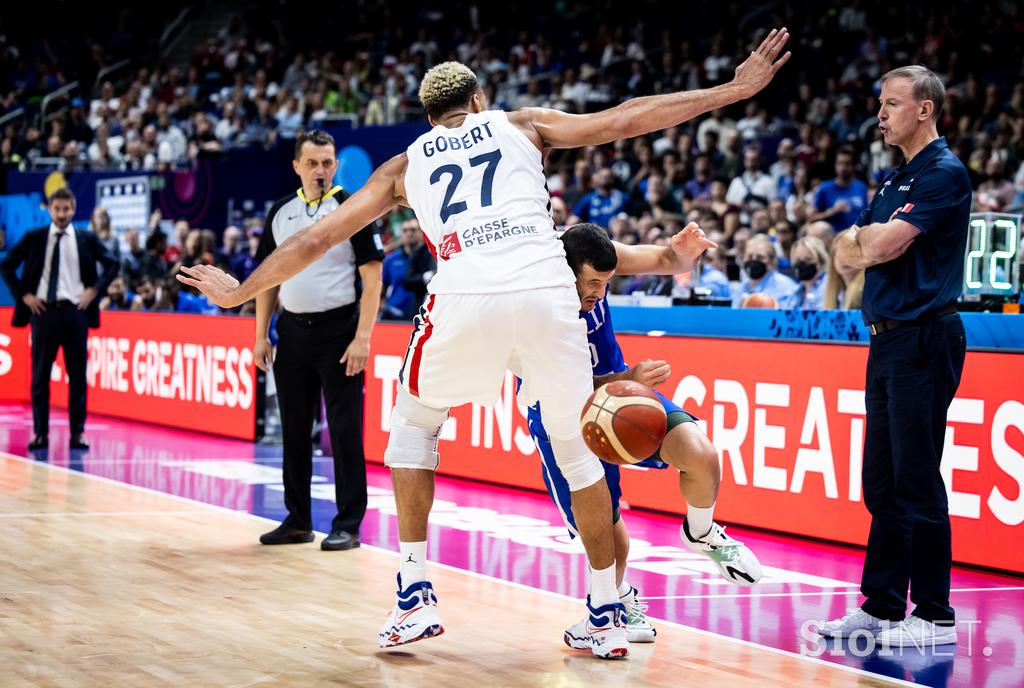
<point x="755" y="269"/>
<point x="805" y="270"/>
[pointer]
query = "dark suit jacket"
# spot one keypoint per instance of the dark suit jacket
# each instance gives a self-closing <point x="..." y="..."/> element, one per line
<point x="30" y="251"/>
<point x="420" y="261"/>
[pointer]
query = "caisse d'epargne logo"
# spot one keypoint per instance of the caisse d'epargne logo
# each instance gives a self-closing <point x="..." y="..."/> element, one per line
<point x="449" y="246"/>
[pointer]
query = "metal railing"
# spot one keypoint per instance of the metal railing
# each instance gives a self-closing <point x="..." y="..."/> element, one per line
<point x="755" y="14"/>
<point x="52" y="96"/>
<point x="107" y="71"/>
<point x="171" y="34"/>
<point x="865" y="129"/>
<point x="349" y="117"/>
<point x="48" y="162"/>
<point x="11" y="116"/>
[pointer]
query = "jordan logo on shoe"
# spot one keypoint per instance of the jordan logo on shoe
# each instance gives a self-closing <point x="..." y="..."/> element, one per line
<point x="410" y="560"/>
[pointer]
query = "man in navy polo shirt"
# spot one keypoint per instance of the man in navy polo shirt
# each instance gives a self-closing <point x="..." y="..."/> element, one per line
<point x="911" y="240"/>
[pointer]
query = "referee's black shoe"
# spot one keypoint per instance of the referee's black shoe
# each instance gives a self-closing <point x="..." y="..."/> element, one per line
<point x="340" y="539"/>
<point x="286" y="535"/>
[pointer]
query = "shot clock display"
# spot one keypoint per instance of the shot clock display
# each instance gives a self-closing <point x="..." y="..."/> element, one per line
<point x="992" y="263"/>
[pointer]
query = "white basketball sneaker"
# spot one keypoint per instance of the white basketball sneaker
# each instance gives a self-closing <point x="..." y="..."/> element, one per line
<point x="638" y="626"/>
<point x="414" y="617"/>
<point x="856" y="619"/>
<point x="917" y="632"/>
<point x="603" y="632"/>
<point x="734" y="560"/>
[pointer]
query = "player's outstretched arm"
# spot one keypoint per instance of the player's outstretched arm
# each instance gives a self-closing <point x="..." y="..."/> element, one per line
<point x="681" y="255"/>
<point x="652" y="113"/>
<point x="381" y="192"/>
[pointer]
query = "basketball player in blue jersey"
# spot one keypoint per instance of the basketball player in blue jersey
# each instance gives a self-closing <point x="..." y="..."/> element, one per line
<point x="595" y="259"/>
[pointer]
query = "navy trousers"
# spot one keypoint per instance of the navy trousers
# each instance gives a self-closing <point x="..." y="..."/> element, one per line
<point x="913" y="373"/>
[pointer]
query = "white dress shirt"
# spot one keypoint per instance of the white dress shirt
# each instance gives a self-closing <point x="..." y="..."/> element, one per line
<point x="69" y="277"/>
<point x="758" y="183"/>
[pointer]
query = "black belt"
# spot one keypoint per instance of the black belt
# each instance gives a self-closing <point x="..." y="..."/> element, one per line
<point x="61" y="303"/>
<point x="312" y="319"/>
<point x="886" y="325"/>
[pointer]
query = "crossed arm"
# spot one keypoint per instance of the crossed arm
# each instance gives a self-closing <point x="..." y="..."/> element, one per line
<point x="879" y="242"/>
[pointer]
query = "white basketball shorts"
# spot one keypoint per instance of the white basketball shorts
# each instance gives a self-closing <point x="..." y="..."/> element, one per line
<point x="462" y="344"/>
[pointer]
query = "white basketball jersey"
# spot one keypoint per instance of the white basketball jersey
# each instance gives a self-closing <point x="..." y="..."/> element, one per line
<point x="479" y="193"/>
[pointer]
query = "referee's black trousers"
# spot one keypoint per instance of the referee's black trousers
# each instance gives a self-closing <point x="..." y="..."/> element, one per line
<point x="308" y="350"/>
<point x="912" y="374"/>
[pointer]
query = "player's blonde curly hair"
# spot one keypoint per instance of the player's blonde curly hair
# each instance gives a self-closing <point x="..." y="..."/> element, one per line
<point x="447" y="86"/>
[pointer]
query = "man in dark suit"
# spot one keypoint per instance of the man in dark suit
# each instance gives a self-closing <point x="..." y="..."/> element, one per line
<point x="57" y="293"/>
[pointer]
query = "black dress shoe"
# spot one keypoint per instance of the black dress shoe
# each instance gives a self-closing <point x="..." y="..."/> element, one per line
<point x="339" y="539"/>
<point x="286" y="535"/>
<point x="78" y="442"/>
<point x="39" y="442"/>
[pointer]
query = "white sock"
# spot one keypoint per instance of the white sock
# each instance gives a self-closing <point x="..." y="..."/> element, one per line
<point x="602" y="587"/>
<point x="624" y="589"/>
<point x="699" y="520"/>
<point x="414" y="562"/>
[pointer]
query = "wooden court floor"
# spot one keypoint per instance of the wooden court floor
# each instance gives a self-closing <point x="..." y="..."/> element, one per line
<point x="103" y="584"/>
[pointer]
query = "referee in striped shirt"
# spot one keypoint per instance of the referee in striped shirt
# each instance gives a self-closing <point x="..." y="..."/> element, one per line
<point x="328" y="311"/>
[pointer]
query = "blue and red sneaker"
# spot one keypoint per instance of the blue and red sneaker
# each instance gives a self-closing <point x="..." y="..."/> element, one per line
<point x="603" y="631"/>
<point x="414" y="617"/>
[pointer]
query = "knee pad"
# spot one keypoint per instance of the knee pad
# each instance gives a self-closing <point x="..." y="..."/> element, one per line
<point x="414" y="431"/>
<point x="580" y="467"/>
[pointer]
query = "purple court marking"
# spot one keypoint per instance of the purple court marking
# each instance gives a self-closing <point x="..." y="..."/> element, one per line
<point x="517" y="536"/>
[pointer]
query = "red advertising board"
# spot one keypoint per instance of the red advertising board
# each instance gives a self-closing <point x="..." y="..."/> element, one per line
<point x="185" y="371"/>
<point x="15" y="363"/>
<point x="788" y="420"/>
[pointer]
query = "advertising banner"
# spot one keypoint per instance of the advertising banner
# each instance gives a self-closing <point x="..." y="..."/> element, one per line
<point x="194" y="372"/>
<point x="788" y="421"/>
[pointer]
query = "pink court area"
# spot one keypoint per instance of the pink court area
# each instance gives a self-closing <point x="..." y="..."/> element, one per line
<point x="516" y="536"/>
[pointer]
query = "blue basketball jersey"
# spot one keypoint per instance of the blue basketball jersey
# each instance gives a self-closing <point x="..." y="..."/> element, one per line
<point x="606" y="358"/>
<point x="605" y="354"/>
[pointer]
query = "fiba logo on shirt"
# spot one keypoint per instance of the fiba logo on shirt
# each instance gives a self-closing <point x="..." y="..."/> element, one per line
<point x="449" y="246"/>
<point x="6" y="360"/>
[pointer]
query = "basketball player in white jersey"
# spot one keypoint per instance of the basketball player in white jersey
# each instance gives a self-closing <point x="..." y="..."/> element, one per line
<point x="503" y="298"/>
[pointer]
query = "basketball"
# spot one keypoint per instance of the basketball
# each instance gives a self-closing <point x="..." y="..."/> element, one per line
<point x="759" y="301"/>
<point x="623" y="422"/>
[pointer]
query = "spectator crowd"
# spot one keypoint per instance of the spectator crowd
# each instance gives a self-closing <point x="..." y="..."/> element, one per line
<point x="772" y="180"/>
<point x="146" y="281"/>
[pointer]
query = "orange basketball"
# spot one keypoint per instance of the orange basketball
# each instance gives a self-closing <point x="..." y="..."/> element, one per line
<point x="623" y="422"/>
<point x="759" y="301"/>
